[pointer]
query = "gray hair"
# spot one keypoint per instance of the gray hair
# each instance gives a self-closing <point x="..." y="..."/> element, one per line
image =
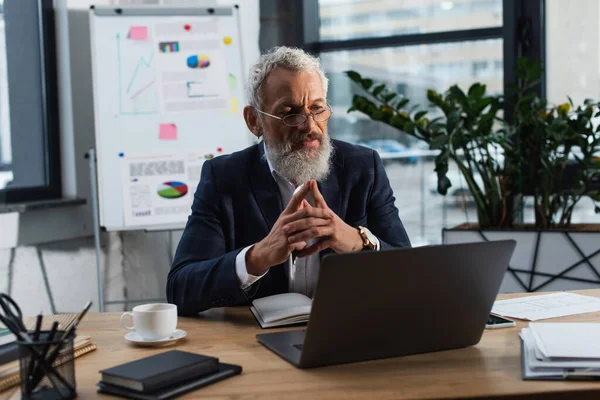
<point x="290" y="58"/>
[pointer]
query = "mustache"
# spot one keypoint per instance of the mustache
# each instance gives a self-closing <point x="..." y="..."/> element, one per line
<point x="299" y="138"/>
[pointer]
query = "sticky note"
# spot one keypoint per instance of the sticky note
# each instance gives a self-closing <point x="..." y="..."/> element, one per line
<point x="232" y="82"/>
<point x="234" y="105"/>
<point x="227" y="40"/>
<point x="167" y="132"/>
<point x="138" y="33"/>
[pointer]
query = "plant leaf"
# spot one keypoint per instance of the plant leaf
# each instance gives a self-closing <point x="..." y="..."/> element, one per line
<point x="477" y="90"/>
<point x="453" y="120"/>
<point x="443" y="185"/>
<point x="355" y="76"/>
<point x="402" y="103"/>
<point x="378" y="89"/>
<point x="420" y="115"/>
<point x="388" y="97"/>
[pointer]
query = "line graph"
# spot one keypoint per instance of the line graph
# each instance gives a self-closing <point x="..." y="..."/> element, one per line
<point x="142" y="61"/>
<point x="141" y="90"/>
<point x="137" y="58"/>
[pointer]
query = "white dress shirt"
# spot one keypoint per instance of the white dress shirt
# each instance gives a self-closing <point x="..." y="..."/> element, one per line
<point x="302" y="272"/>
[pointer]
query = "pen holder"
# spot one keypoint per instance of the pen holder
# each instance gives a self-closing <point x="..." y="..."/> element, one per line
<point x="47" y="367"/>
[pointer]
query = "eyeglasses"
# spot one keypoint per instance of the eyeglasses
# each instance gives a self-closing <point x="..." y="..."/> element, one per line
<point x="299" y="119"/>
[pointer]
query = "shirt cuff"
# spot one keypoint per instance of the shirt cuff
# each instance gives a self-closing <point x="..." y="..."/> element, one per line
<point x="378" y="245"/>
<point x="245" y="280"/>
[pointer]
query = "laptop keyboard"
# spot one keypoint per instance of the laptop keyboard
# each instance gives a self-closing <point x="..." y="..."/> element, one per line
<point x="298" y="346"/>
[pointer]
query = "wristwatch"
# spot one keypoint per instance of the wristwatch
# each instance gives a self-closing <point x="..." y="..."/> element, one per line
<point x="369" y="240"/>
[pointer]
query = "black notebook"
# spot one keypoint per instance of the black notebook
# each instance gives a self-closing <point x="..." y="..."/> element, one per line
<point x="156" y="372"/>
<point x="225" y="371"/>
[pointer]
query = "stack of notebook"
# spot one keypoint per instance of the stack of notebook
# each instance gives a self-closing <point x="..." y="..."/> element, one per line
<point x="560" y="351"/>
<point x="164" y="375"/>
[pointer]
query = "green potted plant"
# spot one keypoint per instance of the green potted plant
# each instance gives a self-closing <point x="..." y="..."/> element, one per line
<point x="555" y="151"/>
<point x="543" y="152"/>
<point x="462" y="129"/>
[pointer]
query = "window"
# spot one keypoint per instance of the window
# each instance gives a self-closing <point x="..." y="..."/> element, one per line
<point x="573" y="56"/>
<point x="411" y="46"/>
<point x="412" y="70"/>
<point x="29" y="150"/>
<point x="376" y="18"/>
<point x="573" y="68"/>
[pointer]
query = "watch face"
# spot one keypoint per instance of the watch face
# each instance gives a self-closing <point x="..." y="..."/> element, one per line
<point x="371" y="237"/>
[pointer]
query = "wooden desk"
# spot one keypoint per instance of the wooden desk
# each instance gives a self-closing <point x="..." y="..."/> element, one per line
<point x="490" y="369"/>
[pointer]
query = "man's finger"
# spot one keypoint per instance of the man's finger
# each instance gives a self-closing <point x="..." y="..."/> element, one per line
<point x="313" y="212"/>
<point x="315" y="248"/>
<point x="305" y="204"/>
<point x="317" y="196"/>
<point x="311" y="233"/>
<point x="304" y="223"/>
<point x="298" y="246"/>
<point x="297" y="198"/>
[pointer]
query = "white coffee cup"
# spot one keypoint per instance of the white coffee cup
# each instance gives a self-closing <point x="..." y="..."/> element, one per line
<point x="152" y="321"/>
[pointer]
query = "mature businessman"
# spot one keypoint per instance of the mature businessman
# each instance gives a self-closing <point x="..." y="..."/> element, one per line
<point x="263" y="217"/>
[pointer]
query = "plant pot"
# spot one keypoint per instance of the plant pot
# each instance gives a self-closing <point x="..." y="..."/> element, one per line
<point x="544" y="260"/>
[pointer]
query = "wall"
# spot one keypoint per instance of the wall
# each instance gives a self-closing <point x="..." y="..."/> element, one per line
<point x="135" y="264"/>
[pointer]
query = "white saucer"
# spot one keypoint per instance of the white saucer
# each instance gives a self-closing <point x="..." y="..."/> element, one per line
<point x="135" y="338"/>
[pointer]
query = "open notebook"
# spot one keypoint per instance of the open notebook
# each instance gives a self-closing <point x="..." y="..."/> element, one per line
<point x="281" y="310"/>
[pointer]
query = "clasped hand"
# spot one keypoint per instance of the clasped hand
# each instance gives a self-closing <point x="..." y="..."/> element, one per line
<point x="296" y="226"/>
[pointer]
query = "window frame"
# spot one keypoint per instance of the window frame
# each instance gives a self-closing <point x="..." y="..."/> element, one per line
<point x="522" y="32"/>
<point x="49" y="112"/>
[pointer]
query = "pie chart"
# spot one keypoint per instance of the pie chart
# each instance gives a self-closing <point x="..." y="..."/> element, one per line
<point x="198" y="61"/>
<point x="172" y="190"/>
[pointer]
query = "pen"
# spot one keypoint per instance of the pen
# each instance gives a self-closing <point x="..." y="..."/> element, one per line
<point x="68" y="331"/>
<point x="38" y="326"/>
<point x="44" y="366"/>
<point x="32" y="362"/>
<point x="50" y="358"/>
<point x="36" y="375"/>
<point x="49" y="339"/>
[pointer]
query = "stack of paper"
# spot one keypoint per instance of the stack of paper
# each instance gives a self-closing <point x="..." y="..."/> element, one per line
<point x="561" y="350"/>
<point x="546" y="306"/>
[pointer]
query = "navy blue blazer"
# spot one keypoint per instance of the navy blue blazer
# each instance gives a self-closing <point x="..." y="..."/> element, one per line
<point x="238" y="201"/>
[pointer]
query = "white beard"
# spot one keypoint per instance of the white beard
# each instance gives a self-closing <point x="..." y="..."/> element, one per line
<point x="298" y="166"/>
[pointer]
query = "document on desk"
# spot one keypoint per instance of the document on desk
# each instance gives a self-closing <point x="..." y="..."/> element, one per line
<point x="560" y="350"/>
<point x="546" y="306"/>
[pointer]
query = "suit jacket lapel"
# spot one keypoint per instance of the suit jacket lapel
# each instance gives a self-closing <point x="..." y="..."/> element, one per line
<point x="265" y="189"/>
<point x="331" y="190"/>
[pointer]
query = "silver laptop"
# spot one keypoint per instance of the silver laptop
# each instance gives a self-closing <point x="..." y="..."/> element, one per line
<point x="390" y="303"/>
